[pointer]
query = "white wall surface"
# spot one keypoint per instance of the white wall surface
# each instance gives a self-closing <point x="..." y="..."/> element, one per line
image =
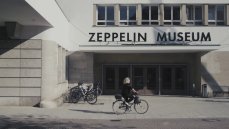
<point x="61" y="30"/>
<point x="80" y="15"/>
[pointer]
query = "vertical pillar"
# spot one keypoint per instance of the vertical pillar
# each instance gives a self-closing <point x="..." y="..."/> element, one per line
<point x="94" y="14"/>
<point x="116" y="14"/>
<point x="139" y="14"/>
<point x="161" y="6"/>
<point x="49" y="74"/>
<point x="227" y="15"/>
<point x="183" y="14"/>
<point x="205" y="15"/>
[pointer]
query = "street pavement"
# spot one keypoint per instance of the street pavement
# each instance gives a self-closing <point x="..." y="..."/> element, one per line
<point x="164" y="112"/>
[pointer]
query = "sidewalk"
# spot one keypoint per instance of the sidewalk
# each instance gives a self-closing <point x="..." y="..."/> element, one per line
<point x="159" y="107"/>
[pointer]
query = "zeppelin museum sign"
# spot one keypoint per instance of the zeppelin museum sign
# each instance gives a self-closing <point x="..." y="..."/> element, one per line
<point x="142" y="37"/>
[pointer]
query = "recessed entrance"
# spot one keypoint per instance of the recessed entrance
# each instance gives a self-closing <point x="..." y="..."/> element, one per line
<point x="147" y="79"/>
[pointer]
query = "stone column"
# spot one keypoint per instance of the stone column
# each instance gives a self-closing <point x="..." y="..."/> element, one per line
<point x="161" y="6"/>
<point x="183" y="14"/>
<point x="116" y="15"/>
<point x="227" y="15"/>
<point x="94" y="14"/>
<point x="51" y="89"/>
<point x="139" y="14"/>
<point x="205" y="15"/>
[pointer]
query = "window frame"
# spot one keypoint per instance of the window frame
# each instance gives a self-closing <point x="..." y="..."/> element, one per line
<point x="150" y="18"/>
<point x="216" y="21"/>
<point x="172" y="21"/>
<point x="194" y="21"/>
<point x="128" y="21"/>
<point x="106" y="16"/>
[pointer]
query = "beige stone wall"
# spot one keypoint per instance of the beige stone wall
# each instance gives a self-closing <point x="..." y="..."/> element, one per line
<point x="215" y="70"/>
<point x="32" y="71"/>
<point x="20" y="72"/>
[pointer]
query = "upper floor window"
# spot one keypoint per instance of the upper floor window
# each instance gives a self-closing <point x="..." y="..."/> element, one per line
<point x="216" y="14"/>
<point x="128" y="15"/>
<point x="194" y="14"/>
<point x="105" y="15"/>
<point x="150" y="15"/>
<point x="172" y="15"/>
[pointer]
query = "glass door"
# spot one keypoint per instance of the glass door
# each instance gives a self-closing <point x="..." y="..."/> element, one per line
<point x="113" y="78"/>
<point x="152" y="80"/>
<point x="166" y="80"/>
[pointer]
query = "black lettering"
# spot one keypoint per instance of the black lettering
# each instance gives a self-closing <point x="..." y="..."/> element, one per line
<point x="128" y="38"/>
<point x="141" y="37"/>
<point x="170" y="36"/>
<point x="206" y="37"/>
<point x="180" y="37"/>
<point x="122" y="37"/>
<point x="106" y="36"/>
<point x="187" y="36"/>
<point x="197" y="37"/>
<point x="114" y="36"/>
<point x="161" y="37"/>
<point x="92" y="36"/>
<point x="99" y="37"/>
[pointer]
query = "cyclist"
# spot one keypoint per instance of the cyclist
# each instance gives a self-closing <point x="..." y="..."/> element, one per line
<point x="127" y="91"/>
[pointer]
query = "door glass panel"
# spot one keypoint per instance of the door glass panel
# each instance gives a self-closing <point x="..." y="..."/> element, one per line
<point x="123" y="72"/>
<point x="138" y="78"/>
<point x="110" y="78"/>
<point x="151" y="78"/>
<point x="180" y="78"/>
<point x="166" y="78"/>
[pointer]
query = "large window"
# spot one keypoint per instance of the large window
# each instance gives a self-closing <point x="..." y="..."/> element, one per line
<point x="128" y="15"/>
<point x="150" y="15"/>
<point x="194" y="14"/>
<point x="216" y="14"/>
<point x="105" y="15"/>
<point x="172" y="15"/>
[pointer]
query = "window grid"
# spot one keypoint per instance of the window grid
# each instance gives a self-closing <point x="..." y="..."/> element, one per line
<point x="105" y="21"/>
<point x="194" y="21"/>
<point x="128" y="21"/>
<point x="172" y="21"/>
<point x="216" y="21"/>
<point x="150" y="21"/>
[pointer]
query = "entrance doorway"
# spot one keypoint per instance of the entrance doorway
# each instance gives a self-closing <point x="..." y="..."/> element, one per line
<point x="147" y="79"/>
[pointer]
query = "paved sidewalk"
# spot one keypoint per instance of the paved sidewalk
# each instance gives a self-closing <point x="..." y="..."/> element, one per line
<point x="159" y="107"/>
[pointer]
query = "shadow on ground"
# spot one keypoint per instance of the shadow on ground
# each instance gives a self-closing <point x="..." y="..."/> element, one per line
<point x="89" y="111"/>
<point x="30" y="122"/>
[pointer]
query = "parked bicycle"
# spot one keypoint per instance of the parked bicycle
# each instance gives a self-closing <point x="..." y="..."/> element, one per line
<point x="97" y="88"/>
<point x="120" y="106"/>
<point x="79" y="92"/>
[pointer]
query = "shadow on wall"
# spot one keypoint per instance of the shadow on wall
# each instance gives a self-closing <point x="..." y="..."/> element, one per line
<point x="14" y="34"/>
<point x="209" y="79"/>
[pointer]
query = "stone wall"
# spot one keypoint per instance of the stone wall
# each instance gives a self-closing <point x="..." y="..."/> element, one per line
<point x="215" y="71"/>
<point x="20" y="72"/>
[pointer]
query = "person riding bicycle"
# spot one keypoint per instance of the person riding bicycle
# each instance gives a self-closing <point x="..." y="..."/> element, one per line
<point x="127" y="90"/>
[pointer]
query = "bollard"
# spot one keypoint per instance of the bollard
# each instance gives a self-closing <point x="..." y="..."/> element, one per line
<point x="204" y="90"/>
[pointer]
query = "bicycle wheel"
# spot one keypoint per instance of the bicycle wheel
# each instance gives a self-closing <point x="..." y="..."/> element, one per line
<point x="141" y="107"/>
<point x="91" y="98"/>
<point x="119" y="107"/>
<point x="75" y="97"/>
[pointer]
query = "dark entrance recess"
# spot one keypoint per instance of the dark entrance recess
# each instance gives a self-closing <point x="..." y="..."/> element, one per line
<point x="147" y="79"/>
